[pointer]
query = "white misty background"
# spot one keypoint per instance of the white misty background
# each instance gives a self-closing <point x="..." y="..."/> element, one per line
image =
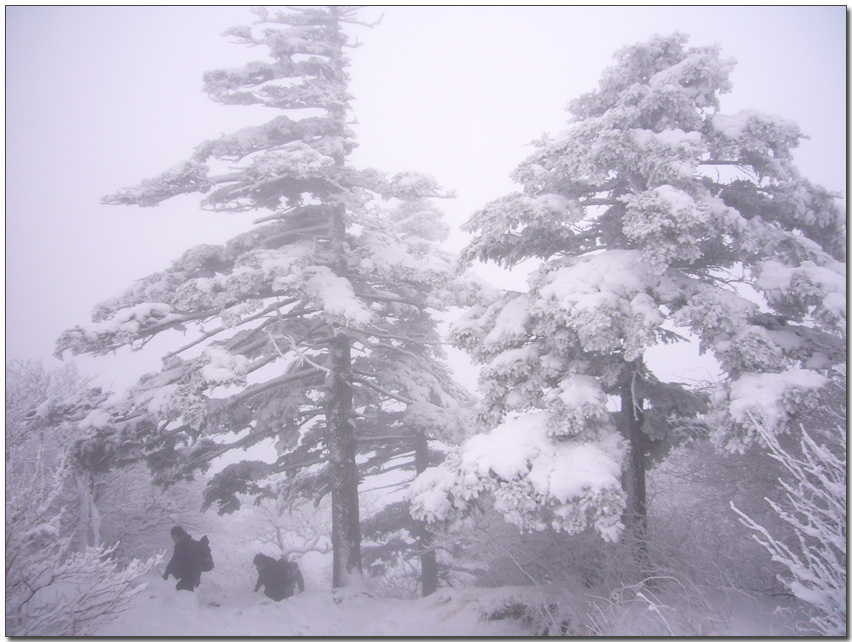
<point x="437" y="92"/>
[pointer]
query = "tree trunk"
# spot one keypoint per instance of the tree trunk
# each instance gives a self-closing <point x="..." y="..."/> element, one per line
<point x="425" y="539"/>
<point x="636" y="512"/>
<point x="345" y="524"/>
<point x="89" y="518"/>
<point x="345" y="519"/>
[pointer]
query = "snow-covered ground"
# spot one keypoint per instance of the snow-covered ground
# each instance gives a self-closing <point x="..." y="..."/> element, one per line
<point x="162" y="611"/>
<point x="319" y="612"/>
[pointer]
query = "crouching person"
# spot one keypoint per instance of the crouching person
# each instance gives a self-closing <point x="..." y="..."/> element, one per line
<point x="278" y="577"/>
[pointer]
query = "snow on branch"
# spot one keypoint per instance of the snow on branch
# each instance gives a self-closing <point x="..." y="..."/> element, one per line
<point x="312" y="545"/>
<point x="184" y="178"/>
<point x="534" y="481"/>
<point x="301" y="355"/>
<point x="125" y="326"/>
<point x="257" y="389"/>
<point x="382" y="391"/>
<point x="766" y="401"/>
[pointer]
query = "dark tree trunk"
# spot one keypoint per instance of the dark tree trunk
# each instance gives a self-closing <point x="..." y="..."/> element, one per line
<point x="636" y="512"/>
<point x="345" y="518"/>
<point x="345" y="523"/>
<point x="425" y="539"/>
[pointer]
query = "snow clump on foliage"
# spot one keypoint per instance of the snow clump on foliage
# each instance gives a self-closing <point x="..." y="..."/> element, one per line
<point x="526" y="470"/>
<point x="768" y="399"/>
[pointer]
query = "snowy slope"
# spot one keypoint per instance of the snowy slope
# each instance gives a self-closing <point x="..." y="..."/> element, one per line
<point x="161" y="611"/>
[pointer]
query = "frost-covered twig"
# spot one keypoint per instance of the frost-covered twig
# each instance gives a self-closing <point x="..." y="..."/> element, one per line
<point x="653" y="607"/>
<point x="815" y="507"/>
<point x="689" y="612"/>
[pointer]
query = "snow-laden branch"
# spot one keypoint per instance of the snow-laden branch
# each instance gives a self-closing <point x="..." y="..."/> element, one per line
<point x="271" y="240"/>
<point x="382" y="391"/>
<point x="310" y="546"/>
<point x="364" y="338"/>
<point x="379" y="334"/>
<point x="367" y="440"/>
<point x="176" y="321"/>
<point x="296" y="212"/>
<point x="211" y="333"/>
<point x="301" y="356"/>
<point x="272" y="383"/>
<point x="245" y="442"/>
<point x="391" y="299"/>
<point x="281" y="467"/>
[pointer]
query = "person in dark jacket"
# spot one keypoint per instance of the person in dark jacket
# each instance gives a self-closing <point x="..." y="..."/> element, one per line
<point x="279" y="577"/>
<point x="185" y="564"/>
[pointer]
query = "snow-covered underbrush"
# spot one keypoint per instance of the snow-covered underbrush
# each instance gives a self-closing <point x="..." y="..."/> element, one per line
<point x="674" y="601"/>
<point x="77" y="597"/>
<point x="704" y="576"/>
<point x="668" y="606"/>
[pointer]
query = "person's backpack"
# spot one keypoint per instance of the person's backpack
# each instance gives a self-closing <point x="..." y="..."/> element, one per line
<point x="292" y="577"/>
<point x="204" y="554"/>
<point x="296" y="574"/>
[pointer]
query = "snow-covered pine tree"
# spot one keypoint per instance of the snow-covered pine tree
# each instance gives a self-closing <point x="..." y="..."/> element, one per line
<point x="302" y="325"/>
<point x="651" y="210"/>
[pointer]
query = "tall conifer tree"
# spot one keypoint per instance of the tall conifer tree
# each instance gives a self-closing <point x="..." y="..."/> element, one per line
<point x="306" y="327"/>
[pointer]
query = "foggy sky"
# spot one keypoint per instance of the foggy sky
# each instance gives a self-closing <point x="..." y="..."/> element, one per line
<point x="99" y="98"/>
